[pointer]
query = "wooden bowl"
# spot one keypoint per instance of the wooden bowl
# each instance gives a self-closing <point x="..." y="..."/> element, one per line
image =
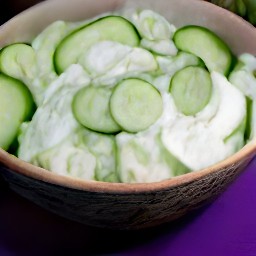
<point x="114" y="205"/>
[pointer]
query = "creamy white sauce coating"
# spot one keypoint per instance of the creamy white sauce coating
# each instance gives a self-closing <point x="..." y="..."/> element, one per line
<point x="53" y="138"/>
<point x="200" y="142"/>
<point x="244" y="78"/>
<point x="54" y="120"/>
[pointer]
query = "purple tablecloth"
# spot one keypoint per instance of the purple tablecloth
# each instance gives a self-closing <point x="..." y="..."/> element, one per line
<point x="226" y="227"/>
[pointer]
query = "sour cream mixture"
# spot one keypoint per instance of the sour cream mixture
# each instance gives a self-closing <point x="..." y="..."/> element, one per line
<point x="174" y="145"/>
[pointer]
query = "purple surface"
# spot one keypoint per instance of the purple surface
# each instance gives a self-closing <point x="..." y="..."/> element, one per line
<point x="226" y="227"/>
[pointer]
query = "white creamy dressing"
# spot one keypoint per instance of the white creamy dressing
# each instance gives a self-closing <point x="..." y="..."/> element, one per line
<point x="53" y="139"/>
<point x="140" y="155"/>
<point x="54" y="120"/>
<point x="199" y="142"/>
<point x="253" y="121"/>
<point x="67" y="158"/>
<point x="106" y="61"/>
<point x="155" y="30"/>
<point x="244" y="78"/>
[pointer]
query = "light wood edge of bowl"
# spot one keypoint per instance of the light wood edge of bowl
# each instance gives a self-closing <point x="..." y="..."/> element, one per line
<point x="21" y="167"/>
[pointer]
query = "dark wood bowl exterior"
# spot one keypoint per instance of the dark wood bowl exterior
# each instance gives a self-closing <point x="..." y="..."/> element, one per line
<point x="129" y="210"/>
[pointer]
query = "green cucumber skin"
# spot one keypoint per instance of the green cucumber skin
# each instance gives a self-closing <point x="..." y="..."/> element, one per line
<point x="98" y="117"/>
<point x="58" y="52"/>
<point x="29" y="109"/>
<point x="7" y="71"/>
<point x="219" y="43"/>
<point x="30" y="106"/>
<point x="134" y="124"/>
<point x="10" y="118"/>
<point x="189" y="94"/>
<point x="241" y="131"/>
<point x="6" y="46"/>
<point x="177" y="167"/>
<point x="249" y="117"/>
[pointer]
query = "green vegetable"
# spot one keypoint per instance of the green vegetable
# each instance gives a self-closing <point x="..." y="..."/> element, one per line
<point x="113" y="28"/>
<point x="206" y="45"/>
<point x="126" y="100"/>
<point x="191" y="89"/>
<point x="135" y="104"/>
<point x="44" y="45"/>
<point x="91" y="109"/>
<point x="18" y="61"/>
<point x="243" y="77"/>
<point x="249" y="120"/>
<point x="16" y="106"/>
<point x="145" y="159"/>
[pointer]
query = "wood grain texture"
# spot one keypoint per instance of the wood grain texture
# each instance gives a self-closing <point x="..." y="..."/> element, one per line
<point x="124" y="210"/>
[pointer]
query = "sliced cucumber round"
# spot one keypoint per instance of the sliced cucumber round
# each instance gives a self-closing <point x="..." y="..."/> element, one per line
<point x="249" y="119"/>
<point x="112" y="28"/>
<point x="18" y="61"/>
<point x="16" y="106"/>
<point x="191" y="89"/>
<point x="91" y="109"/>
<point x="206" y="45"/>
<point x="135" y="104"/>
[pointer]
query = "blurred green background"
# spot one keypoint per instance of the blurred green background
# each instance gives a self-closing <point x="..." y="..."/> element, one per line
<point x="244" y="8"/>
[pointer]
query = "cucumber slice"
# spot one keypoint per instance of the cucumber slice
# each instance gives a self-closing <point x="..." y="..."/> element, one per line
<point x="91" y="109"/>
<point x="253" y="121"/>
<point x="18" y="61"/>
<point x="45" y="44"/>
<point x="135" y="104"/>
<point x="112" y="28"/>
<point x="238" y="136"/>
<point x="16" y="107"/>
<point x="248" y="127"/>
<point x="191" y="89"/>
<point x="206" y="45"/>
<point x="243" y="76"/>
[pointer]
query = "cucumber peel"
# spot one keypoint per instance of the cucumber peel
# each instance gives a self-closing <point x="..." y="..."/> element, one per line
<point x="112" y="28"/>
<point x="249" y="119"/>
<point x="91" y="109"/>
<point x="16" y="106"/>
<point x="206" y="45"/>
<point x="18" y="61"/>
<point x="191" y="88"/>
<point x="135" y="104"/>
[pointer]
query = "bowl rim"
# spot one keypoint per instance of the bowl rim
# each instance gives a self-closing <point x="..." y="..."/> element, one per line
<point x="21" y="167"/>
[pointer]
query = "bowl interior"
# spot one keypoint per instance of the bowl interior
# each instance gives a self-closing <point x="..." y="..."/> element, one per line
<point x="238" y="34"/>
